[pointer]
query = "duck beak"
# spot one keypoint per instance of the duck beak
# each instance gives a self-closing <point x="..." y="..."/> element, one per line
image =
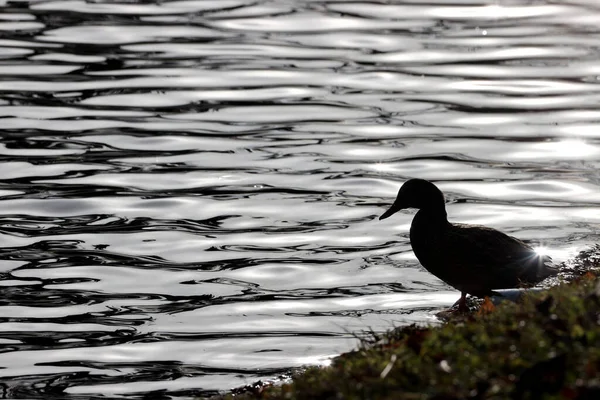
<point x="397" y="206"/>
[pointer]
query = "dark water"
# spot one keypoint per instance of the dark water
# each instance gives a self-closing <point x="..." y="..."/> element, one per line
<point x="189" y="189"/>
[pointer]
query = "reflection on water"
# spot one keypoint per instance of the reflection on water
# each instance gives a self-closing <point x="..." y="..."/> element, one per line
<point x="189" y="189"/>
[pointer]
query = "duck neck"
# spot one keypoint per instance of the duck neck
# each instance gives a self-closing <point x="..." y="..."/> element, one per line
<point x="427" y="232"/>
<point x="432" y="216"/>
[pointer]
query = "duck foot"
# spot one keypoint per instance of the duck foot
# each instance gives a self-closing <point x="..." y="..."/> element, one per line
<point x="456" y="312"/>
<point x="464" y="310"/>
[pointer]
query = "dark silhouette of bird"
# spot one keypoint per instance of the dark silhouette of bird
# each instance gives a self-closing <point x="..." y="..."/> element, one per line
<point x="473" y="259"/>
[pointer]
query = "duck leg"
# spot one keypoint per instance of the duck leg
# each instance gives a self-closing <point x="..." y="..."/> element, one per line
<point x="462" y="303"/>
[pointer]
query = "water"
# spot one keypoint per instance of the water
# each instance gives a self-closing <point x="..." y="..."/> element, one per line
<point x="189" y="190"/>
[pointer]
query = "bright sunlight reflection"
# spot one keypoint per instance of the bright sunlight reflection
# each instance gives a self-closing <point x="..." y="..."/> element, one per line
<point x="576" y="147"/>
<point x="570" y="148"/>
<point x="382" y="167"/>
<point x="541" y="250"/>
<point x="557" y="255"/>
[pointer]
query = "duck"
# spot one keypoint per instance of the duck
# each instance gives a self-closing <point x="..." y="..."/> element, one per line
<point x="473" y="259"/>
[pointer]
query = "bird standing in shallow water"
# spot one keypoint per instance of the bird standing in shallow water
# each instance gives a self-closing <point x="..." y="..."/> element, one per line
<point x="473" y="259"/>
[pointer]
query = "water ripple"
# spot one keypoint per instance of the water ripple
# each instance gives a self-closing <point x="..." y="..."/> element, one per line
<point x="190" y="189"/>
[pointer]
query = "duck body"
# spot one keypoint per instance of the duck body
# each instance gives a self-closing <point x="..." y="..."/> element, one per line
<point x="473" y="259"/>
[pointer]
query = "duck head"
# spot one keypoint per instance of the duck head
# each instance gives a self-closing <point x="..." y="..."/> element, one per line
<point x="418" y="193"/>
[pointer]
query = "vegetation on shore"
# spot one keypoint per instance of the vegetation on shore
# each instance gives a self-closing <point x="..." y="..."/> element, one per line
<point x="545" y="347"/>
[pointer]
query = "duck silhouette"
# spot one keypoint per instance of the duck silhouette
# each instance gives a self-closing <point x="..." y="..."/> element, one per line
<point x="473" y="259"/>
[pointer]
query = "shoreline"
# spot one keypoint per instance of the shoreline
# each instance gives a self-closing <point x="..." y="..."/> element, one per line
<point x="545" y="346"/>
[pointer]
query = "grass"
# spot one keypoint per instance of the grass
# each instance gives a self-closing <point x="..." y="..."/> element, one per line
<point x="546" y="347"/>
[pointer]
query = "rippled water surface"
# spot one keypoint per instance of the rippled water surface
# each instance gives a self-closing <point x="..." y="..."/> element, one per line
<point x="189" y="190"/>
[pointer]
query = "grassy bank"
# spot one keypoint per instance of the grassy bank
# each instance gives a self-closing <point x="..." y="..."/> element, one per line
<point x="547" y="346"/>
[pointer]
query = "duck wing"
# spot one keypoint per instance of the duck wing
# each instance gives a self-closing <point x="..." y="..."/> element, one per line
<point x="483" y="259"/>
